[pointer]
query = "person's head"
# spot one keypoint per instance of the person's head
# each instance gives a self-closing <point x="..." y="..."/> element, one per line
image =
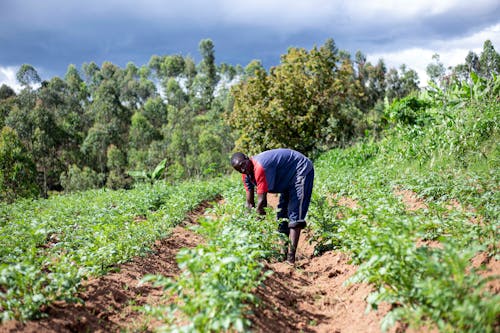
<point x="241" y="163"/>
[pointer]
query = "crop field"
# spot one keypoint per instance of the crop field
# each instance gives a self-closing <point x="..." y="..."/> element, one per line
<point x="402" y="236"/>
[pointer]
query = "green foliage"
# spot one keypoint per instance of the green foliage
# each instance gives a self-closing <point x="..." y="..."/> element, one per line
<point x="17" y="169"/>
<point x="409" y="111"/>
<point x="6" y="92"/>
<point x="290" y="106"/>
<point x="76" y="179"/>
<point x="141" y="132"/>
<point x="150" y="176"/>
<point x="313" y="101"/>
<point x="420" y="260"/>
<point x="219" y="276"/>
<point x="49" y="246"/>
<point x="27" y="76"/>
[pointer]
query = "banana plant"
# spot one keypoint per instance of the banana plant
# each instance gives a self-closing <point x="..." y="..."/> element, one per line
<point x="150" y="176"/>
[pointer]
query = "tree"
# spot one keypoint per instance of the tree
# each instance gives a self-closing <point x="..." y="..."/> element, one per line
<point x="17" y="169"/>
<point x="27" y="76"/>
<point x="290" y="106"/>
<point x="174" y="94"/>
<point x="116" y="162"/>
<point x="134" y="88"/>
<point x="111" y="119"/>
<point x="253" y="67"/>
<point x="173" y="66"/>
<point x="7" y="102"/>
<point x="401" y="85"/>
<point x="190" y="73"/>
<point x="141" y="133"/>
<point x="45" y="141"/>
<point x="436" y="71"/>
<point x="155" y="63"/>
<point x="155" y="112"/>
<point x="361" y="68"/>
<point x="73" y="120"/>
<point x="94" y="146"/>
<point x="181" y="140"/>
<point x="227" y="71"/>
<point x="207" y="77"/>
<point x="377" y="82"/>
<point x="59" y="126"/>
<point x="6" y="92"/>
<point x="92" y="74"/>
<point x="409" y="79"/>
<point x="489" y="61"/>
<point x="76" y="179"/>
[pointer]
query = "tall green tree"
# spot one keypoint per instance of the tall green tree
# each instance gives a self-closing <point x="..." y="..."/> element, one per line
<point x="401" y="84"/>
<point x="7" y="102"/>
<point x="92" y="76"/>
<point x="135" y="88"/>
<point x="6" y="92"/>
<point x="64" y="101"/>
<point x="155" y="111"/>
<point x="27" y="76"/>
<point x="436" y="70"/>
<point x="489" y="61"/>
<point x="253" y="69"/>
<point x="17" y="169"/>
<point x="377" y="84"/>
<point x="288" y="107"/>
<point x="207" y="77"/>
<point x="141" y="134"/>
<point x="116" y="163"/>
<point x="174" y="94"/>
<point x="45" y="141"/>
<point x="111" y="119"/>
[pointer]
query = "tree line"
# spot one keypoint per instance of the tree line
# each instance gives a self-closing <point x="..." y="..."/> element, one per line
<point x="93" y="127"/>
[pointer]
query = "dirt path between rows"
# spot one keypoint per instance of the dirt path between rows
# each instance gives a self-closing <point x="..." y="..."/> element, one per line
<point x="309" y="297"/>
<point x="110" y="302"/>
<point x="312" y="296"/>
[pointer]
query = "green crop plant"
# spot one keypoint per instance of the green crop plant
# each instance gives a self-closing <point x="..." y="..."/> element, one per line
<point x="219" y="277"/>
<point x="49" y="246"/>
<point x="420" y="260"/>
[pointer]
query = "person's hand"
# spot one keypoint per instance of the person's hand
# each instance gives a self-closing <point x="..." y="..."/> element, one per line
<point x="250" y="207"/>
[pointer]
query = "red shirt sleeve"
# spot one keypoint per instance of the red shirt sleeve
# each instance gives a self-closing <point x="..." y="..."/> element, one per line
<point x="260" y="178"/>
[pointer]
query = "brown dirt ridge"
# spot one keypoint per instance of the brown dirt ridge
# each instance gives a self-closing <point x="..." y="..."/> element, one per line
<point x="313" y="296"/>
<point x="110" y="302"/>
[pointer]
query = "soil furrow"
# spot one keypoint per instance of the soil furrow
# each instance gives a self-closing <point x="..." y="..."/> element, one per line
<point x="110" y="302"/>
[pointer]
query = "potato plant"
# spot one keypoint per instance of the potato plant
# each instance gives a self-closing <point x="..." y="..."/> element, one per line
<point x="49" y="246"/>
<point x="218" y="277"/>
<point x="420" y="260"/>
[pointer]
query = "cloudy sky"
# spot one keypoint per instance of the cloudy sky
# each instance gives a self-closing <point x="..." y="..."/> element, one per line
<point x="52" y="34"/>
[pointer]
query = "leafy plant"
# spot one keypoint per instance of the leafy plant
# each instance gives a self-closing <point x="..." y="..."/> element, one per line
<point x="419" y="260"/>
<point x="150" y="176"/>
<point x="218" y="277"/>
<point x="49" y="246"/>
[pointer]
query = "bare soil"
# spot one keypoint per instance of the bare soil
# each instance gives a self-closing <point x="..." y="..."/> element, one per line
<point x="311" y="296"/>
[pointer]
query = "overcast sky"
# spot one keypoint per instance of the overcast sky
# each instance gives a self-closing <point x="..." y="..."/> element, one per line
<point x="52" y="34"/>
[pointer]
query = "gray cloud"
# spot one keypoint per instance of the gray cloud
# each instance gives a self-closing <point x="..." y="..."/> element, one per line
<point x="52" y="34"/>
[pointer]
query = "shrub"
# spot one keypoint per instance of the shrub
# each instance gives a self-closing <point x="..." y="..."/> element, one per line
<point x="409" y="111"/>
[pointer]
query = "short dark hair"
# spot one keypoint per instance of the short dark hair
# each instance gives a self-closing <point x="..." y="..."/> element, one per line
<point x="237" y="158"/>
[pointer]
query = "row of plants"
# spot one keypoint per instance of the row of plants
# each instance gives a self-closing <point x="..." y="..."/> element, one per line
<point x="50" y="245"/>
<point x="420" y="260"/>
<point x="215" y="288"/>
